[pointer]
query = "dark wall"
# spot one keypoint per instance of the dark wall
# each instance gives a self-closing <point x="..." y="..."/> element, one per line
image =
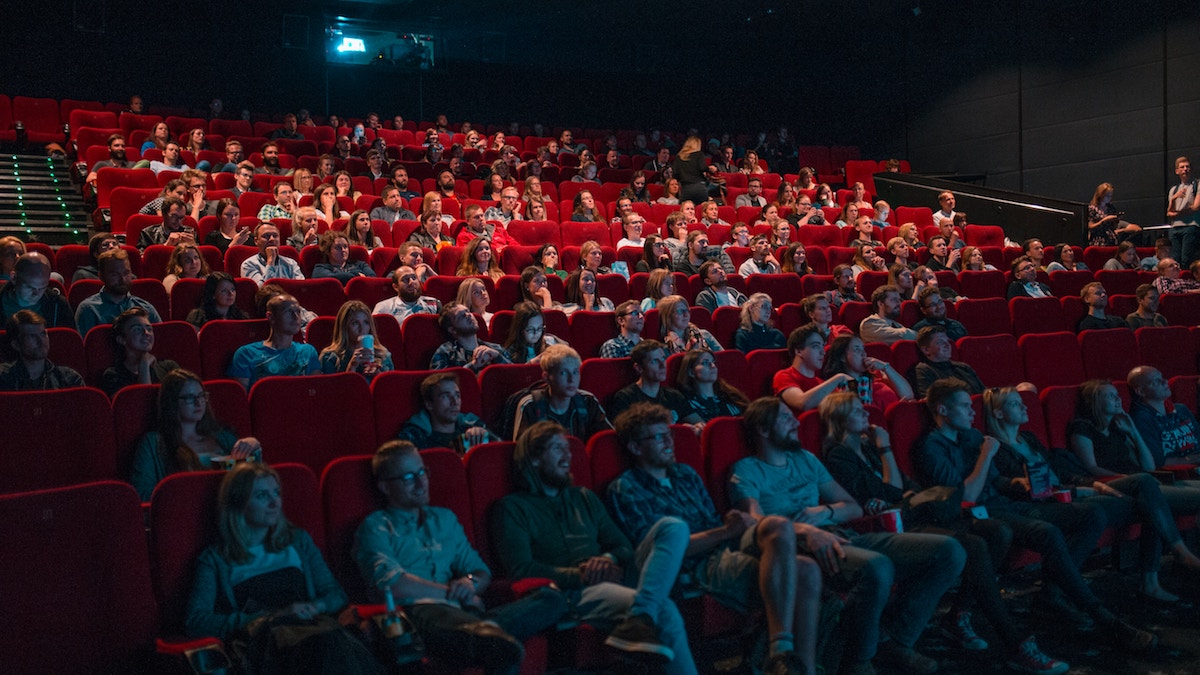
<point x="1050" y="98"/>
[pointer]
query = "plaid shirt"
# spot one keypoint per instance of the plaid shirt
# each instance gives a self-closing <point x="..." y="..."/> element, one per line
<point x="583" y="418"/>
<point x="618" y="347"/>
<point x="451" y="354"/>
<point x="637" y="501"/>
<point x="1178" y="285"/>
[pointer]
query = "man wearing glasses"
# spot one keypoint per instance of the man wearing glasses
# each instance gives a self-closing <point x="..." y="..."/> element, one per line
<point x="630" y="320"/>
<point x="481" y="225"/>
<point x="419" y="554"/>
<point x="1169" y="281"/>
<point x="1025" y="283"/>
<point x="508" y="211"/>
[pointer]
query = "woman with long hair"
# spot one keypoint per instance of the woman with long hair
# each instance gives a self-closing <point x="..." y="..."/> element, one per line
<point x="473" y="294"/>
<point x="659" y="285"/>
<point x="819" y="311"/>
<point x="186" y="437"/>
<point x="866" y="260"/>
<point x="585" y="209"/>
<point x="671" y="192"/>
<point x="477" y="259"/>
<point x="785" y="197"/>
<point x="358" y="231"/>
<point x="757" y="330"/>
<point x="302" y="183"/>
<point x="350" y="350"/>
<point x="533" y="189"/>
<point x="591" y="257"/>
<point x="1124" y="258"/>
<point x="859" y="457"/>
<point x="655" y="255"/>
<point x="196" y="142"/>
<point x="876" y="382"/>
<point x="581" y="294"/>
<point x="336" y="263"/>
<point x="690" y="168"/>
<point x="186" y="262"/>
<point x="750" y="164"/>
<point x="824" y="197"/>
<point x="1064" y="260"/>
<point x="795" y="260"/>
<point x="1104" y="220"/>
<point x="534" y="289"/>
<point x="527" y="337"/>
<point x="227" y="233"/>
<point x="217" y="301"/>
<point x="325" y="201"/>
<point x="305" y="226"/>
<point x="848" y="216"/>
<point x="706" y="392"/>
<point x="343" y="184"/>
<point x="901" y="277"/>
<point x="535" y="209"/>
<point x="679" y="334"/>
<point x="547" y="256"/>
<point x="133" y="349"/>
<point x="160" y="135"/>
<point x="261" y="567"/>
<point x="972" y="260"/>
<point x="494" y="188"/>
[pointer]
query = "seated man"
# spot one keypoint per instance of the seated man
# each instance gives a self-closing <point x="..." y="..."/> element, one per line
<point x="1095" y="298"/>
<point x="400" y="180"/>
<point x="419" y="555"/>
<point x="284" y="204"/>
<point x="717" y="292"/>
<point x="800" y="385"/>
<point x="1168" y="428"/>
<point x="630" y="320"/>
<point x="279" y="354"/>
<point x="935" y="346"/>
<point x="550" y="528"/>
<point x="243" y="180"/>
<point x="270" y="160"/>
<point x="844" y="291"/>
<point x="114" y="297"/>
<point x="743" y="563"/>
<point x="441" y="423"/>
<point x="955" y="454"/>
<point x="116" y="158"/>
<point x="941" y="256"/>
<point x="479" y="225"/>
<point x="412" y="254"/>
<point x="739" y="235"/>
<point x="30" y="289"/>
<point x="780" y="478"/>
<point x="1169" y="281"/>
<point x="171" y="161"/>
<point x="392" y="208"/>
<point x="753" y="195"/>
<point x="947" y="201"/>
<point x="234" y="155"/>
<point x="463" y="346"/>
<point x="884" y="325"/>
<point x="509" y="208"/>
<point x="1025" y="283"/>
<point x="408" y="299"/>
<point x="32" y="370"/>
<point x="288" y="130"/>
<point x="650" y="362"/>
<point x="1146" y="315"/>
<point x="268" y="263"/>
<point x="171" y="231"/>
<point x="933" y="307"/>
<point x="561" y="401"/>
<point x="694" y="253"/>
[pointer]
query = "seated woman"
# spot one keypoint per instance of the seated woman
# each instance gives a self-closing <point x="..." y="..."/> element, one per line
<point x="924" y="277"/>
<point x="1124" y="258"/>
<point x="343" y="186"/>
<point x="671" y="191"/>
<point x="865" y="259"/>
<point x="1064" y="260"/>
<point x="972" y="259"/>
<point x="820" y="312"/>
<point x="186" y="437"/>
<point x="133" y="343"/>
<point x="655" y="255"/>
<point x="661" y="284"/>
<point x="1105" y="224"/>
<point x="710" y="214"/>
<point x="430" y="235"/>
<point x="477" y="260"/>
<point x="302" y="182"/>
<point x="547" y="257"/>
<point x="911" y="236"/>
<point x="707" y="394"/>
<point x="824" y="197"/>
<point x="848" y="216"/>
<point x="535" y="209"/>
<point x="325" y="201"/>
<point x="261" y="567"/>
<point x="581" y="294"/>
<point x="355" y="347"/>
<point x="587" y="173"/>
<point x="186" y="262"/>
<point x="473" y="294"/>
<point x="359" y="233"/>
<point x="769" y="215"/>
<point x="227" y="233"/>
<point x="785" y="197"/>
<point x="218" y="301"/>
<point x="335" y="247"/>
<point x="534" y="289"/>
<point x="494" y="189"/>
<point x="757" y="330"/>
<point x="795" y="260"/>
<point x="533" y="189"/>
<point x="901" y="252"/>
<point x="678" y="332"/>
<point x="901" y="277"/>
<point x="196" y="141"/>
<point x="591" y="257"/>
<point x="876" y="382"/>
<point x="859" y="457"/>
<point x="585" y="209"/>
<point x="1021" y="455"/>
<point x="527" y="337"/>
<point x="304" y="228"/>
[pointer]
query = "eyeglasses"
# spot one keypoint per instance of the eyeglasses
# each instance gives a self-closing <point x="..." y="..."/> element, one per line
<point x="194" y="399"/>
<point x="635" y="312"/>
<point x="410" y="477"/>
<point x="534" y="330"/>
<point x="660" y="437"/>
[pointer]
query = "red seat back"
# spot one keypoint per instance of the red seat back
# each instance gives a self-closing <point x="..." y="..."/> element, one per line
<point x="313" y="419"/>
<point x="221" y="338"/>
<point x="1051" y="359"/>
<point x="60" y="449"/>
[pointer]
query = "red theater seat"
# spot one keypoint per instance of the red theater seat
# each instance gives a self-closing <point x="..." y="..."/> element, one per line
<point x="313" y="419"/>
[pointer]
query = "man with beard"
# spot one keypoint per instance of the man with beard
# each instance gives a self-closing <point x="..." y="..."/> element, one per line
<point x="172" y="160"/>
<point x="288" y="130"/>
<point x="1095" y="299"/>
<point x="691" y="257"/>
<point x="845" y="291"/>
<point x="464" y="348"/>
<point x="270" y="160"/>
<point x="509" y="208"/>
<point x="400" y="181"/>
<point x="717" y="292"/>
<point x="269" y="264"/>
<point x="32" y="370"/>
<point x="445" y="186"/>
<point x="553" y="529"/>
<point x="933" y="307"/>
<point x="116" y="158"/>
<point x="170" y="231"/>
<point x="114" y="297"/>
<point x="780" y="478"/>
<point x="392" y="208"/>
<point x="649" y="358"/>
<point x="884" y="325"/>
<point x="408" y="299"/>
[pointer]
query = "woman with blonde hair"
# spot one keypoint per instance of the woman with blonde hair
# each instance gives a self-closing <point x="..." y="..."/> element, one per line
<point x="972" y="260"/>
<point x="473" y="294"/>
<point x="671" y="191"/>
<point x="908" y="232"/>
<point x="304" y="228"/>
<point x="186" y="262"/>
<point x="355" y="347"/>
<point x="679" y="334"/>
<point x="690" y="168"/>
<point x="302" y="183"/>
<point x="900" y="276"/>
<point x="757" y="330"/>
<point x="659" y="285"/>
<point x="1104" y="220"/>
<point x="477" y="259"/>
<point x="866" y="260"/>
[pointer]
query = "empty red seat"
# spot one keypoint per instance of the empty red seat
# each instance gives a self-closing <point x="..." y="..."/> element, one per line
<point x="1037" y="315"/>
<point x="41" y="119"/>
<point x="984" y="316"/>
<point x="1171" y="350"/>
<point x="761" y="366"/>
<point x="313" y="419"/>
<point x="1180" y="309"/>
<point x="1051" y="359"/>
<point x="1108" y="354"/>
<point x="995" y="358"/>
<point x="67" y="435"/>
<point x="603" y="377"/>
<point x="982" y="284"/>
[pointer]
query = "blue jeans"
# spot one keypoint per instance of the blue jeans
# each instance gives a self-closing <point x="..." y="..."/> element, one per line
<point x="439" y="624"/>
<point x="1185" y="242"/>
<point x="658" y="558"/>
<point x="922" y="566"/>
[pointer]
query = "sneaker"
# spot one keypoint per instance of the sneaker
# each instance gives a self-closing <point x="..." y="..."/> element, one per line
<point x="784" y="663"/>
<point x="638" y="634"/>
<point x="906" y="659"/>
<point x="1029" y="659"/>
<point x="1133" y="639"/>
<point x="958" y="627"/>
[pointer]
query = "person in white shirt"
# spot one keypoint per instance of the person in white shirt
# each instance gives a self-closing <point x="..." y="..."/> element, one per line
<point x="633" y="223"/>
<point x="761" y="260"/>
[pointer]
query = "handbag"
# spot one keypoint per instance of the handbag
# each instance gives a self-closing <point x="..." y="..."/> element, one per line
<point x="940" y="506"/>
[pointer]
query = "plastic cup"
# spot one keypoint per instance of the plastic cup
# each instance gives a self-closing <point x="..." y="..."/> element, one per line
<point x="890" y="521"/>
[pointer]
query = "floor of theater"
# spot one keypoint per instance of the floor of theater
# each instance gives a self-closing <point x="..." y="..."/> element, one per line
<point x="1178" y="628"/>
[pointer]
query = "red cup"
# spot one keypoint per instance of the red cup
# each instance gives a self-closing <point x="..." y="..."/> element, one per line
<point x="1063" y="496"/>
<point x="890" y="521"/>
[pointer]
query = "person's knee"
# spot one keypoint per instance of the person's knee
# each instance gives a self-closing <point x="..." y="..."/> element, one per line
<point x="777" y="533"/>
<point x="953" y="555"/>
<point x="671" y="530"/>
<point x="878" y="573"/>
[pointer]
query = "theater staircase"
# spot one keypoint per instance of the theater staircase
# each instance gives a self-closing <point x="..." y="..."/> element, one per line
<point x="38" y="202"/>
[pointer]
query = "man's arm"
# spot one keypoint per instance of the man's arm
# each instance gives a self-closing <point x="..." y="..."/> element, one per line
<point x="514" y="548"/>
<point x="800" y="400"/>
